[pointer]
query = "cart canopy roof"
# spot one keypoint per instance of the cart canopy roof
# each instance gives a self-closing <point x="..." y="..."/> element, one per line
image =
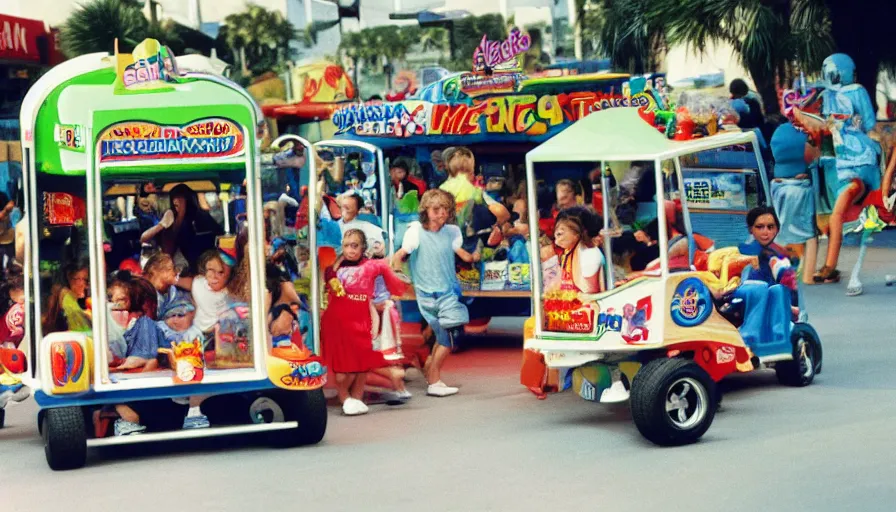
<point x="621" y="134"/>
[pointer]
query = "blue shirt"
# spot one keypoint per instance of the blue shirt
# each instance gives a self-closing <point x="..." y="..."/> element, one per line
<point x="788" y="148"/>
<point x="432" y="257"/>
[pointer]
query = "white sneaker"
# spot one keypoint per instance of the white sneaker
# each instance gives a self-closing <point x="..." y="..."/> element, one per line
<point x="354" y="407"/>
<point x="441" y="389"/>
<point x="891" y="279"/>
<point x="614" y="394"/>
<point x="127" y="428"/>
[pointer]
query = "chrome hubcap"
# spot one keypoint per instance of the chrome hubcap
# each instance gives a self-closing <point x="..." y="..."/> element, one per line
<point x="686" y="403"/>
<point x="804" y="354"/>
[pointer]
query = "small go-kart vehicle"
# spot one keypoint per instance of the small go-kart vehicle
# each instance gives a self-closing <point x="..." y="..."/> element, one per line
<point x="108" y="142"/>
<point x="665" y="335"/>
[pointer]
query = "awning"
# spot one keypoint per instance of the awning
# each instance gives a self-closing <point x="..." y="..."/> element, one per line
<point x="621" y="134"/>
<point x="20" y="39"/>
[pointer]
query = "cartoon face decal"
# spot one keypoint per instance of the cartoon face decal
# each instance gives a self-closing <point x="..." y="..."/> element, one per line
<point x="691" y="303"/>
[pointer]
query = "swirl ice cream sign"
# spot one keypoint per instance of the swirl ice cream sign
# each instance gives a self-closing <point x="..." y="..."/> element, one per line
<point x="140" y="140"/>
<point x="500" y="55"/>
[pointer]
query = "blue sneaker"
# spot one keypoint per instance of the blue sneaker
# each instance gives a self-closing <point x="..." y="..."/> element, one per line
<point x="201" y="421"/>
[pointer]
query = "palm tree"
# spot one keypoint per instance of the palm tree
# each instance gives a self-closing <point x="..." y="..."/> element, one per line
<point x="95" y="26"/>
<point x="770" y="37"/>
<point x="624" y="30"/>
<point x="260" y="37"/>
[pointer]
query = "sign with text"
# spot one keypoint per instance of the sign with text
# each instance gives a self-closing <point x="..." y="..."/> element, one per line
<point x="140" y="140"/>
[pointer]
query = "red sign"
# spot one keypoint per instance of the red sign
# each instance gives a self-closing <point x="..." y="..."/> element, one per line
<point x="18" y="38"/>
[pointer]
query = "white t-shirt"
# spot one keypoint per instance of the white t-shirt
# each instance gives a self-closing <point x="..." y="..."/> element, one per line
<point x="591" y="260"/>
<point x="208" y="304"/>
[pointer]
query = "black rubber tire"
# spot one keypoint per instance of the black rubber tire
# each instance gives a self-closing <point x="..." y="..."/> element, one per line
<point x="309" y="409"/>
<point x="797" y="373"/>
<point x="652" y="384"/>
<point x="65" y="438"/>
<point x="2" y="418"/>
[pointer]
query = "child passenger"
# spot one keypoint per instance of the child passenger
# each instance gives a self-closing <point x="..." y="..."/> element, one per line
<point x="347" y="325"/>
<point x="159" y="270"/>
<point x="580" y="264"/>
<point x="209" y="291"/>
<point x="432" y="244"/>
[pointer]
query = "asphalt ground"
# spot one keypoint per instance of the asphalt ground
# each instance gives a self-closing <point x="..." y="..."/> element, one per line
<point x="830" y="446"/>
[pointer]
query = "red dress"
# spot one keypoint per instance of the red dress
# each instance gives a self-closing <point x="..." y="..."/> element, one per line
<point x="346" y="340"/>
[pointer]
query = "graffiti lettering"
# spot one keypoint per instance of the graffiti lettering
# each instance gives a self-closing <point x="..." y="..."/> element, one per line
<point x="476" y="85"/>
<point x="369" y="119"/>
<point x="491" y="54"/>
<point x="509" y="114"/>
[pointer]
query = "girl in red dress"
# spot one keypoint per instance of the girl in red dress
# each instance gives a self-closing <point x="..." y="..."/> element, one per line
<point x="347" y="326"/>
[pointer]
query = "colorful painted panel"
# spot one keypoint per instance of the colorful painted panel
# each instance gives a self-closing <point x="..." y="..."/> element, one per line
<point x="527" y="115"/>
<point x="140" y="140"/>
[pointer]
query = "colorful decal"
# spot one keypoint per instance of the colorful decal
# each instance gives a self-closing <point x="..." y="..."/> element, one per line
<point x="564" y="312"/>
<point x="715" y="190"/>
<point x="500" y="55"/>
<point x="724" y="355"/>
<point x="691" y="303"/>
<point x="67" y="365"/>
<point x="151" y="67"/>
<point x="61" y="209"/>
<point x="631" y="324"/>
<point x="139" y="140"/>
<point x="69" y="137"/>
<point x="634" y="321"/>
<point x="525" y="114"/>
<point x="233" y="347"/>
<point x="474" y="85"/>
<point x="310" y="374"/>
<point x="13" y="360"/>
<point x="187" y="360"/>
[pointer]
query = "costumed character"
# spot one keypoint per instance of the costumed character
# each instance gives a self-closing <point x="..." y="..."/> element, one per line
<point x="854" y="169"/>
<point x="793" y="194"/>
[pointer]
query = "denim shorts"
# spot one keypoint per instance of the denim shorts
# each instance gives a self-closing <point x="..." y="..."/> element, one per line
<point x="442" y="311"/>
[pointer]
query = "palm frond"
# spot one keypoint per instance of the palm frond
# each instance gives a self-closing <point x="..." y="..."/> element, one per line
<point x="94" y="26"/>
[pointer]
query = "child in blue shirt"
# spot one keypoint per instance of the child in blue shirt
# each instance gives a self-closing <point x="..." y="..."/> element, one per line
<point x="432" y="244"/>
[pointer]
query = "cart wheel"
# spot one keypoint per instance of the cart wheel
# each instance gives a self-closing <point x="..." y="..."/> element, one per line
<point x="65" y="438"/>
<point x="309" y="408"/>
<point x="673" y="401"/>
<point x="806" y="362"/>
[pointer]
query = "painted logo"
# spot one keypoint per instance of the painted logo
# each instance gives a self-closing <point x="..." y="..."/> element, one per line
<point x="496" y="55"/>
<point x="151" y="66"/>
<point x="67" y="362"/>
<point x="691" y="304"/>
<point x="309" y="374"/>
<point x="724" y="355"/>
<point x="139" y="140"/>
<point x="69" y="137"/>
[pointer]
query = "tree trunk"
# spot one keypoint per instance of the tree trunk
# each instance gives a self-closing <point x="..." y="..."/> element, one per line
<point x="857" y="35"/>
<point x="766" y="86"/>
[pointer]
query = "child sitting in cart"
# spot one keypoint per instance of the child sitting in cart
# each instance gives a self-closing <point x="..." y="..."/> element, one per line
<point x="12" y="330"/>
<point x="160" y="272"/>
<point x="770" y="289"/>
<point x="209" y="291"/>
<point x="571" y="262"/>
<point x="134" y="307"/>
